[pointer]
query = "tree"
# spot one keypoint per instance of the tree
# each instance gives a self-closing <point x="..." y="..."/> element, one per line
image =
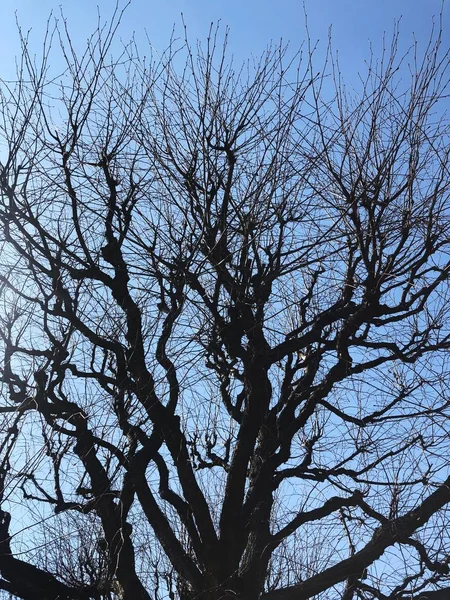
<point x="225" y="325"/>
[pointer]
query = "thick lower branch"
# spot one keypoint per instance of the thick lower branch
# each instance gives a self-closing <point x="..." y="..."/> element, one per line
<point x="394" y="531"/>
<point x="29" y="582"/>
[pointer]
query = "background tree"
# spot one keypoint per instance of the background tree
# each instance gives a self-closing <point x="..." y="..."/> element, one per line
<point x="224" y="325"/>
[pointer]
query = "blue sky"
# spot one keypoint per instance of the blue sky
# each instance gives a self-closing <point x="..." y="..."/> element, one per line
<point x="253" y="24"/>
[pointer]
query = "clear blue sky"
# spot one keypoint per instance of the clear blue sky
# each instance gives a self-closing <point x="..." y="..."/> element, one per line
<point x="252" y="23"/>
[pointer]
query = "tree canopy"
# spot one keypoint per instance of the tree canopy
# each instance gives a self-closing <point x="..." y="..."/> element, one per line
<point x="224" y="324"/>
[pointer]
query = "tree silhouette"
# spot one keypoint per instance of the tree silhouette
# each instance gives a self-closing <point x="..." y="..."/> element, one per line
<point x="224" y="325"/>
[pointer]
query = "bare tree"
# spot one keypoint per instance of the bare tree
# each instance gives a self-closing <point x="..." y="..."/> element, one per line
<point x="224" y="325"/>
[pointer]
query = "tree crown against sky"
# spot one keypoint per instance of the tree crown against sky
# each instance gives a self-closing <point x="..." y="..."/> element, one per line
<point x="253" y="24"/>
<point x="224" y="327"/>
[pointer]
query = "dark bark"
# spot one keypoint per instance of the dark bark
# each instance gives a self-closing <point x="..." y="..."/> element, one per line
<point x="225" y="330"/>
